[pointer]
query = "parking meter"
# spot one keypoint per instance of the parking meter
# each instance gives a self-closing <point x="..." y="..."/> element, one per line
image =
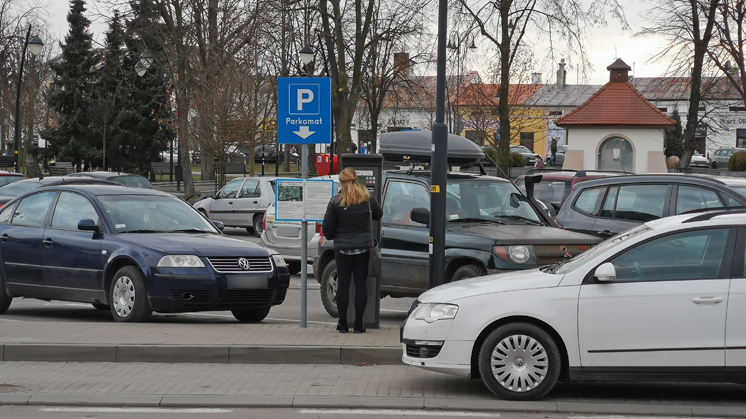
<point x="369" y="173"/>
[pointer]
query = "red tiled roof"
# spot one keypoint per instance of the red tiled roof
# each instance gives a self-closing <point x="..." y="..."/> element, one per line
<point x="616" y="104"/>
<point x="486" y="94"/>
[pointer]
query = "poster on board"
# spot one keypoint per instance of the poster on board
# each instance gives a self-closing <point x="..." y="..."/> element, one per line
<point x="294" y="197"/>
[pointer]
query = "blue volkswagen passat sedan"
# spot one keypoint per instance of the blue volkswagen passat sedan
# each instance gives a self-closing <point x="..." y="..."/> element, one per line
<point x="132" y="251"/>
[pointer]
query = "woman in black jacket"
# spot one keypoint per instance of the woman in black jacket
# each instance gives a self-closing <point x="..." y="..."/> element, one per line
<point x="348" y="222"/>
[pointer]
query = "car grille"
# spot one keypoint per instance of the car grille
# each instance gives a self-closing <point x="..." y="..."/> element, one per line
<point x="547" y="254"/>
<point x="414" y="351"/>
<point x="241" y="298"/>
<point x="230" y="264"/>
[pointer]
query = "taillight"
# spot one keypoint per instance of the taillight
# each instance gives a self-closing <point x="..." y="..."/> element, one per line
<point x="321" y="233"/>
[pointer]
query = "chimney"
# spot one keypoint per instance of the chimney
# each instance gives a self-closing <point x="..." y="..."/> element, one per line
<point x="562" y="74"/>
<point x="619" y="71"/>
<point x="401" y="64"/>
<point x="535" y="78"/>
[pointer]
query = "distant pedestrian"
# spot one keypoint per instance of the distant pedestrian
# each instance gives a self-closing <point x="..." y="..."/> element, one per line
<point x="539" y="162"/>
<point x="553" y="147"/>
<point x="348" y="222"/>
<point x="353" y="147"/>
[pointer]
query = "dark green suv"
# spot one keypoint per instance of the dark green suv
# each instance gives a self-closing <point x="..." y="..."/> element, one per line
<point x="491" y="228"/>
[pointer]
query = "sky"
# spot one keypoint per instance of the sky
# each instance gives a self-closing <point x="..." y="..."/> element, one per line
<point x="604" y="46"/>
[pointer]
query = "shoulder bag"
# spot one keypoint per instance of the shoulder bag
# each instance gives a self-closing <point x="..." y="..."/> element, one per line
<point x="374" y="262"/>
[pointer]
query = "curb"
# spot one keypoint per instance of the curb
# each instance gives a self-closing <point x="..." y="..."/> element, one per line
<point x="426" y="403"/>
<point x="195" y="354"/>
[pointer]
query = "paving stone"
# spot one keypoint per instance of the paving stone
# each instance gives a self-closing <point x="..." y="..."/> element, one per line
<point x="627" y="408"/>
<point x="173" y="353"/>
<point x="359" y="402"/>
<point x="59" y="352"/>
<point x="284" y="354"/>
<point x="14" y="399"/>
<point x="489" y="404"/>
<point x="94" y="400"/>
<point x="370" y="355"/>
<point x="227" y="401"/>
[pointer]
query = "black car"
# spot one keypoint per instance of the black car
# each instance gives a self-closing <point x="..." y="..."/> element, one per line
<point x="267" y="154"/>
<point x="126" y="179"/>
<point x="491" y="228"/>
<point x="131" y="251"/>
<point x="21" y="187"/>
<point x="609" y="205"/>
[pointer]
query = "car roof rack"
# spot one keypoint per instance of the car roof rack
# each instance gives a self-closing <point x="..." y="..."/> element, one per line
<point x="710" y="213"/>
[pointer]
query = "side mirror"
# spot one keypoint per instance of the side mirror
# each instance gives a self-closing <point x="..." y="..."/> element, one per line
<point x="219" y="225"/>
<point x="605" y="273"/>
<point x="515" y="200"/>
<point x="88" y="225"/>
<point x="214" y="196"/>
<point x="420" y="215"/>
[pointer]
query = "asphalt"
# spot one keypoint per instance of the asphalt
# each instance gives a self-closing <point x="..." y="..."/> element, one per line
<point x="77" y="363"/>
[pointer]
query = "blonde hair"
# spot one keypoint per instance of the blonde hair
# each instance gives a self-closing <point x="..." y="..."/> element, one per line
<point x="352" y="193"/>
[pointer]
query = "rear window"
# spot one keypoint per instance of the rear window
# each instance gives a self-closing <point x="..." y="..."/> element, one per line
<point x="4" y="180"/>
<point x="133" y="181"/>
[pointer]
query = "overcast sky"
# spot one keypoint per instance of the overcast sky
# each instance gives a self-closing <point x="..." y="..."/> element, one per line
<point x="605" y="45"/>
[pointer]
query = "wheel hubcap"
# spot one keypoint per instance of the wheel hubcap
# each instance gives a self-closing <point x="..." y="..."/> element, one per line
<point x="519" y="363"/>
<point x="333" y="288"/>
<point x="124" y="296"/>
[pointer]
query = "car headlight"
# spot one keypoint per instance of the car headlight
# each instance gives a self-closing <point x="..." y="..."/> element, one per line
<point x="434" y="312"/>
<point x="279" y="261"/>
<point x="516" y="254"/>
<point x="180" y="261"/>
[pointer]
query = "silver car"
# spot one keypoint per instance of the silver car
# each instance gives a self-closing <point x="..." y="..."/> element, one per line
<point x="561" y="151"/>
<point x="284" y="237"/>
<point x="527" y="154"/>
<point x="721" y="157"/>
<point x="240" y="203"/>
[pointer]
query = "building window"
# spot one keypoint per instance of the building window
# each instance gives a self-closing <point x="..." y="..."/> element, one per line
<point x="737" y="109"/>
<point x="527" y="140"/>
<point x="664" y="110"/>
<point x="555" y="113"/>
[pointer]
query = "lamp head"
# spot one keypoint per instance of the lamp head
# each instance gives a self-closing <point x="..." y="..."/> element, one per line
<point x="35" y="45"/>
<point x="146" y="59"/>
<point x="306" y="54"/>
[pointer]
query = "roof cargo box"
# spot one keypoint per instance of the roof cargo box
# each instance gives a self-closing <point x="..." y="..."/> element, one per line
<point x="417" y="146"/>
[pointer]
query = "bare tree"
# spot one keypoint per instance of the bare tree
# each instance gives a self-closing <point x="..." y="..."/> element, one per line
<point x="727" y="52"/>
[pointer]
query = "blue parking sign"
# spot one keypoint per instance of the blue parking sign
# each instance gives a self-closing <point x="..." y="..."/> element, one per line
<point x="304" y="110"/>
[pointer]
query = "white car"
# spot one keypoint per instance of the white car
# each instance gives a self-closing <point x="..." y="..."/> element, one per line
<point x="240" y="203"/>
<point x="698" y="160"/>
<point x="664" y="301"/>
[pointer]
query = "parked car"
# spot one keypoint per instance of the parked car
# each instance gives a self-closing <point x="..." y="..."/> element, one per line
<point x="491" y="228"/>
<point x="738" y="184"/>
<point x="21" y="187"/>
<point x="529" y="155"/>
<point x="561" y="152"/>
<point x="722" y="155"/>
<point x="610" y="205"/>
<point x="7" y="177"/>
<point x="267" y="154"/>
<point x="698" y="160"/>
<point x="240" y="203"/>
<point x="133" y="251"/>
<point x="284" y="237"/>
<point x="660" y="302"/>
<point x="126" y="179"/>
<point x="556" y="185"/>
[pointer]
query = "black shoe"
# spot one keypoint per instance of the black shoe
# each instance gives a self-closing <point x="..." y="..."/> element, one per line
<point x="359" y="328"/>
<point x="342" y="326"/>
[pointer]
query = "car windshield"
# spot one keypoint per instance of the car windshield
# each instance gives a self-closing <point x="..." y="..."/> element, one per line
<point x="152" y="213"/>
<point x="519" y="149"/>
<point x="18" y="188"/>
<point x="487" y="200"/>
<point x="570" y="265"/>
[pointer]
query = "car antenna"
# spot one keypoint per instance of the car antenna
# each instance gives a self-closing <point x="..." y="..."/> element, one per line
<point x="622" y="164"/>
<point x="482" y="172"/>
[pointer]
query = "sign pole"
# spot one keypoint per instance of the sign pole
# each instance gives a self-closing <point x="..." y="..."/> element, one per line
<point x="304" y="248"/>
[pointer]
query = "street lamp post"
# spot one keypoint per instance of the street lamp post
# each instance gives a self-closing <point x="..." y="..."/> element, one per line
<point x="306" y="56"/>
<point x="34" y="45"/>
<point x="141" y="67"/>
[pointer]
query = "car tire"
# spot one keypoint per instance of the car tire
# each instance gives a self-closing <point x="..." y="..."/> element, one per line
<point x="468" y="271"/>
<point x="5" y="299"/>
<point x="519" y="361"/>
<point x="329" y="289"/>
<point x="101" y="307"/>
<point x="714" y="165"/>
<point x="251" y="316"/>
<point x="258" y="225"/>
<point x="294" y="267"/>
<point x="129" y="297"/>
<point x="204" y="213"/>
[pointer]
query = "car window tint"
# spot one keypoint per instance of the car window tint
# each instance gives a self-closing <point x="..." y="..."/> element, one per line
<point x="588" y="200"/>
<point x="32" y="211"/>
<point x="692" y="198"/>
<point x="6" y="213"/>
<point x="250" y="189"/>
<point x="640" y="202"/>
<point x="229" y="190"/>
<point x="683" y="256"/>
<point x="609" y="203"/>
<point x="400" y="198"/>
<point x="551" y="190"/>
<point x="70" y="209"/>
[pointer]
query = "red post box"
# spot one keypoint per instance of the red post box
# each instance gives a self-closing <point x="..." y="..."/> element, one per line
<point x="322" y="164"/>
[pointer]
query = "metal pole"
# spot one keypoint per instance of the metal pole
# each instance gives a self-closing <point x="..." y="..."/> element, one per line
<point x="304" y="247"/>
<point x="439" y="159"/>
<point x="171" y="171"/>
<point x="17" y="139"/>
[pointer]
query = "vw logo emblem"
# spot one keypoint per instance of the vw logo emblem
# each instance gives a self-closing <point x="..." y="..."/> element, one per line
<point x="244" y="264"/>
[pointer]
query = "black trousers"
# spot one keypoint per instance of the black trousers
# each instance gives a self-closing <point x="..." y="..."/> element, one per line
<point x="351" y="267"/>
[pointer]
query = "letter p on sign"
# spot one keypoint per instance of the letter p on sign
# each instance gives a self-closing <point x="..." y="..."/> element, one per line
<point x="304" y="96"/>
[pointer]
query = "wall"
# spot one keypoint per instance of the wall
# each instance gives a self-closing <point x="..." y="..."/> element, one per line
<point x="644" y="141"/>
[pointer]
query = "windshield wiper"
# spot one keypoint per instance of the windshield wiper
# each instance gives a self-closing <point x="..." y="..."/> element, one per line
<point x="519" y="218"/>
<point x="191" y="230"/>
<point x="475" y="219"/>
<point x="550" y="268"/>
<point x="144" y="231"/>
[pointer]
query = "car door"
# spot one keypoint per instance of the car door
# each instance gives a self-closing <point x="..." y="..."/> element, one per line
<point x="247" y="203"/>
<point x="735" y="327"/>
<point x="22" y="243"/>
<point x="221" y="207"/>
<point x="404" y="243"/>
<point x="627" y="206"/>
<point x="666" y="310"/>
<point x="72" y="258"/>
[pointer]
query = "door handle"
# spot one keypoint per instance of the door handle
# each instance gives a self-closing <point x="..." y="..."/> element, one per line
<point x="707" y="300"/>
<point x="48" y="242"/>
<point x="4" y="237"/>
<point x="230" y="202"/>
<point x="256" y="202"/>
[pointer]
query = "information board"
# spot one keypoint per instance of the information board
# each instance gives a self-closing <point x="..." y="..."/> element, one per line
<point x="296" y="197"/>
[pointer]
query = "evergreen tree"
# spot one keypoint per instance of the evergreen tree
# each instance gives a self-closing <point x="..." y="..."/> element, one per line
<point x="673" y="139"/>
<point x="73" y="140"/>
